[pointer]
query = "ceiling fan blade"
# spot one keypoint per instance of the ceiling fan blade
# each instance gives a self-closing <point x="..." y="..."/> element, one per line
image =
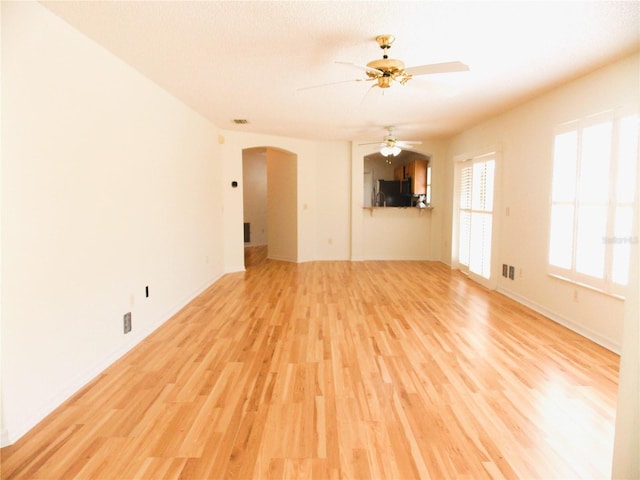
<point x="433" y="86"/>
<point x="445" y="67"/>
<point x="407" y="142"/>
<point x="382" y="144"/>
<point x="367" y="92"/>
<point x="333" y="83"/>
<point x="361" y="67"/>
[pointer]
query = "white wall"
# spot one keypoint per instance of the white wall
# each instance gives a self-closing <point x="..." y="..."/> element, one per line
<point x="282" y="214"/>
<point x="322" y="195"/>
<point x="332" y="178"/>
<point x="254" y="193"/>
<point x="397" y="233"/>
<point x="626" y="461"/>
<point x="109" y="185"/>
<point x="526" y="138"/>
<point x="438" y="153"/>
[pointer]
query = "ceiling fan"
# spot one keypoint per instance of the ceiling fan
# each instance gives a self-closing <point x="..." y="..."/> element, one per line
<point x="390" y="145"/>
<point x="387" y="70"/>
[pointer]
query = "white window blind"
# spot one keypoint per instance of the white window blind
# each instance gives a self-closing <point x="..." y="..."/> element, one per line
<point x="475" y="216"/>
<point x="594" y="171"/>
<point x="464" y="215"/>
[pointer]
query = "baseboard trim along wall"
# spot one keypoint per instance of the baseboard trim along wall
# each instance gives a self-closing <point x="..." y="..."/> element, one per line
<point x="605" y="342"/>
<point x="234" y="269"/>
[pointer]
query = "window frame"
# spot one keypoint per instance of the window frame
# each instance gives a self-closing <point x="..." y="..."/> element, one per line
<point x="605" y="284"/>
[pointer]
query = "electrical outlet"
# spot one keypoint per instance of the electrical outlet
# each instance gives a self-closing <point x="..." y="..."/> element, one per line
<point x="512" y="272"/>
<point x="505" y="270"/>
<point x="127" y="322"/>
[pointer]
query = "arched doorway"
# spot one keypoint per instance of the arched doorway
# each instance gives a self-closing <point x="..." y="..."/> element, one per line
<point x="270" y="204"/>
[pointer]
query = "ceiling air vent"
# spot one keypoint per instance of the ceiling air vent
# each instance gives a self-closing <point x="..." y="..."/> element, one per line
<point x="240" y="121"/>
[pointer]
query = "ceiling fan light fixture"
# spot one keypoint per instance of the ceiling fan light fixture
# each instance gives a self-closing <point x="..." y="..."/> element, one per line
<point x="385" y="82"/>
<point x="387" y="150"/>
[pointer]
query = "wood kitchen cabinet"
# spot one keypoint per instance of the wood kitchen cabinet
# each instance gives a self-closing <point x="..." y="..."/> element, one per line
<point x="416" y="170"/>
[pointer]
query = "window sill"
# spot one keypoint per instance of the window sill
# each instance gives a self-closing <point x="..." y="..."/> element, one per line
<point x="587" y="286"/>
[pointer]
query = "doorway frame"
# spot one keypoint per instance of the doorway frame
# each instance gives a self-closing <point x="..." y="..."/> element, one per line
<point x="458" y="161"/>
<point x="282" y="217"/>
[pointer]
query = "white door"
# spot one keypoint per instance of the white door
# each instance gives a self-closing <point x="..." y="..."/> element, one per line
<point x="475" y="218"/>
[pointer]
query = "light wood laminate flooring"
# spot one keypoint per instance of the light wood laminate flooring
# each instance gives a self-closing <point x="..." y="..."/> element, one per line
<point x="339" y="370"/>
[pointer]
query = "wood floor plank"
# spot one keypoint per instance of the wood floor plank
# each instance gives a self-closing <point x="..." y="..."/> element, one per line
<point x="332" y="370"/>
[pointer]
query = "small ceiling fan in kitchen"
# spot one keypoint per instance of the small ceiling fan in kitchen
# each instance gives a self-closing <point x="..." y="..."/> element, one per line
<point x="386" y="71"/>
<point x="390" y="145"/>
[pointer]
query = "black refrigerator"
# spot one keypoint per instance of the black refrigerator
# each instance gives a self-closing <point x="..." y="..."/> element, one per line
<point x="393" y="193"/>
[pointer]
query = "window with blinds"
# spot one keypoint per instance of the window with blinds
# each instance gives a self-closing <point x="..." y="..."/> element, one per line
<point x="594" y="181"/>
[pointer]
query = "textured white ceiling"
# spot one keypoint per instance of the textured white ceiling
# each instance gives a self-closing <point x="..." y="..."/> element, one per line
<point x="249" y="59"/>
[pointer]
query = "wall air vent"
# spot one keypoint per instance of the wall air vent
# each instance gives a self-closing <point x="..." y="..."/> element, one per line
<point x="240" y="121"/>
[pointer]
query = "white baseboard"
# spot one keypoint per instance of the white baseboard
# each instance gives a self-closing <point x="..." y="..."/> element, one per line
<point x="283" y="259"/>
<point x="234" y="269"/>
<point x="601" y="340"/>
<point x="75" y="384"/>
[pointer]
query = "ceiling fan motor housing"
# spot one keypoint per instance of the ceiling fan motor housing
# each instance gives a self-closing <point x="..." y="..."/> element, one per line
<point x="386" y="65"/>
<point x="389" y="141"/>
<point x="388" y="69"/>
